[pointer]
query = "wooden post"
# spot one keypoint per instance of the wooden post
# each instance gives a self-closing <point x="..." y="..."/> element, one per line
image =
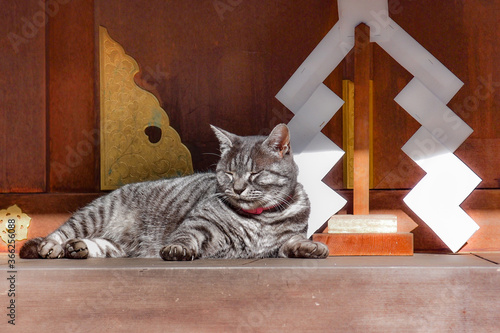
<point x="362" y="233"/>
<point x="362" y="72"/>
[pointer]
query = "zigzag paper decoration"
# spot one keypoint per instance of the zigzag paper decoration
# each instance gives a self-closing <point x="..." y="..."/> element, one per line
<point x="436" y="198"/>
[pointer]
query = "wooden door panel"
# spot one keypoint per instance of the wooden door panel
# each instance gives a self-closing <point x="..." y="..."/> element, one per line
<point x="22" y="97"/>
<point x="73" y="118"/>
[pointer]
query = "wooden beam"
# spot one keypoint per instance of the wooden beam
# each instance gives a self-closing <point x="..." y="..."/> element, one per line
<point x="425" y="293"/>
<point x="362" y="72"/>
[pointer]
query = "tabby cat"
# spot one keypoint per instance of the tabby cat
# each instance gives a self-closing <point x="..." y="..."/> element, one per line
<point x="251" y="207"/>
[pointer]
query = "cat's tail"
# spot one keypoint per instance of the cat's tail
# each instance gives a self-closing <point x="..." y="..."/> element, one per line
<point x="30" y="249"/>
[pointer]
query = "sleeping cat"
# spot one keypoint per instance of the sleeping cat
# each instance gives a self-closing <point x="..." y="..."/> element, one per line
<point x="251" y="207"/>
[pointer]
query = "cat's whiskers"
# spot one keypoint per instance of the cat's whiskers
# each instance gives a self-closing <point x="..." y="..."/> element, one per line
<point x="221" y="196"/>
<point x="281" y="200"/>
<point x="214" y="154"/>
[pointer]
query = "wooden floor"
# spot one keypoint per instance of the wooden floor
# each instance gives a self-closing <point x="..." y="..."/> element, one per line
<point x="423" y="293"/>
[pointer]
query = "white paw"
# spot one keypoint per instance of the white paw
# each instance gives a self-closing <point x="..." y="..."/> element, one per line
<point x="50" y="250"/>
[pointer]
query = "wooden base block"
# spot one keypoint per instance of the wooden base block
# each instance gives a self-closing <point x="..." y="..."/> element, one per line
<point x="372" y="244"/>
<point x="373" y="223"/>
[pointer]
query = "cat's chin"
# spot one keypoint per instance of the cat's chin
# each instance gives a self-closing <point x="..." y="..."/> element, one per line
<point x="244" y="204"/>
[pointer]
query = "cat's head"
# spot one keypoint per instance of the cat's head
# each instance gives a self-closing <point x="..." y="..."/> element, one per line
<point x="256" y="171"/>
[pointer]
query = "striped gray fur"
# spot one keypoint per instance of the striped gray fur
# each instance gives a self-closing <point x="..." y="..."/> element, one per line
<point x="251" y="207"/>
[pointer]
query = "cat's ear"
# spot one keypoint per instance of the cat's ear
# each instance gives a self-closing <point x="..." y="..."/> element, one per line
<point x="225" y="138"/>
<point x="279" y="140"/>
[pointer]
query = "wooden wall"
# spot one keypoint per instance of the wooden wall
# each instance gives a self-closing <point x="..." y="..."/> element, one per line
<point x="72" y="121"/>
<point x="216" y="62"/>
<point x="23" y="100"/>
<point x="222" y="62"/>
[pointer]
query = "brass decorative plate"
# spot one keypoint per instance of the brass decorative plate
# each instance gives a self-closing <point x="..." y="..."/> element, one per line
<point x="137" y="142"/>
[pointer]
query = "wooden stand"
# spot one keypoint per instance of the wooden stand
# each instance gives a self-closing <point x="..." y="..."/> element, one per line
<point x="372" y="244"/>
<point x="376" y="241"/>
<point x="362" y="72"/>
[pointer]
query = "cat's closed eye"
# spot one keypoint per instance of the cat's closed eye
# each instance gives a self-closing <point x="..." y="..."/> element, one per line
<point x="254" y="175"/>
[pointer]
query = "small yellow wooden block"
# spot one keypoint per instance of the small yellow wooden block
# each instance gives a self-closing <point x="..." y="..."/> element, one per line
<point x="348" y="132"/>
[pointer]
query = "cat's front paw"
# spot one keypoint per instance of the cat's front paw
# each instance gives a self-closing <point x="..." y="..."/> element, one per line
<point x="76" y="249"/>
<point x="49" y="249"/>
<point x="29" y="250"/>
<point x="178" y="253"/>
<point x="306" y="249"/>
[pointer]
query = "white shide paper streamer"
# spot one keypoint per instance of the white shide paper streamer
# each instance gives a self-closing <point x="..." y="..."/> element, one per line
<point x="437" y="197"/>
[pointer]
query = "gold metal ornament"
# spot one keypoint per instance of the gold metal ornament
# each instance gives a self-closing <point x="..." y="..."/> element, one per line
<point x="14" y="224"/>
<point x="137" y="142"/>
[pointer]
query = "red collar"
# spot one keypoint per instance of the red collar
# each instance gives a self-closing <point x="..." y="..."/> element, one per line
<point x="258" y="210"/>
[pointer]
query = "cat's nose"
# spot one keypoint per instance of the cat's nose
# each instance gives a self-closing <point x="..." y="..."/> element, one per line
<point x="239" y="186"/>
<point x="238" y="190"/>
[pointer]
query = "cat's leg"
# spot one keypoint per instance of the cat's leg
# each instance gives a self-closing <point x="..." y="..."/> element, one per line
<point x="29" y="250"/>
<point x="300" y="247"/>
<point x="182" y="246"/>
<point x="92" y="248"/>
<point x="192" y="240"/>
<point x="50" y="247"/>
<point x="54" y="247"/>
<point x="178" y="252"/>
